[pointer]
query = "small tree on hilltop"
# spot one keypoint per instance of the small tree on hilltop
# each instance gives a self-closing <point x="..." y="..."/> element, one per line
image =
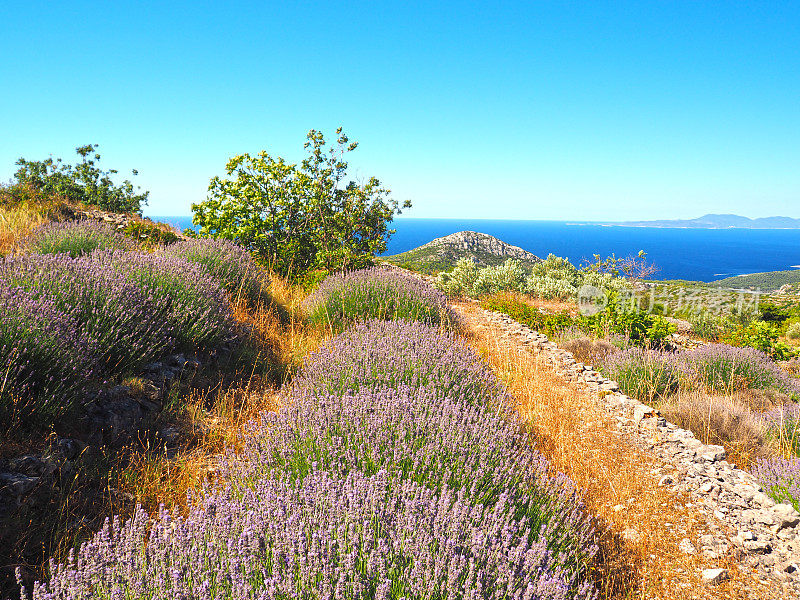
<point x="300" y="217"/>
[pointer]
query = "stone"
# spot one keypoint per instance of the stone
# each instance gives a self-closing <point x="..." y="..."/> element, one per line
<point x="714" y="576"/>
<point x="666" y="480"/>
<point x="687" y="547"/>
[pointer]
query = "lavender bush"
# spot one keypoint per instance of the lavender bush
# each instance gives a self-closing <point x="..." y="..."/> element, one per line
<point x="42" y="358"/>
<point x="727" y="369"/>
<point x="782" y="424"/>
<point x="130" y="307"/>
<point x="780" y="478"/>
<point x="648" y="375"/>
<point x="230" y="264"/>
<point x="376" y="293"/>
<point x="75" y="238"/>
<point x="426" y="437"/>
<point x="392" y="353"/>
<point x="360" y="537"/>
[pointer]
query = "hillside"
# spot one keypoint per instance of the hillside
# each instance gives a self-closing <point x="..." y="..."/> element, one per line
<point x="717" y="221"/>
<point x="769" y="281"/>
<point x="442" y="253"/>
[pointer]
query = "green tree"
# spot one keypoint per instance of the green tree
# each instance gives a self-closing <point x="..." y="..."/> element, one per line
<point x="84" y="182"/>
<point x="300" y="217"/>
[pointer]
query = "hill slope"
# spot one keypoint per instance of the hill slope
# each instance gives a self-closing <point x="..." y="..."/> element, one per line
<point x="442" y="253"/>
<point x="766" y="282"/>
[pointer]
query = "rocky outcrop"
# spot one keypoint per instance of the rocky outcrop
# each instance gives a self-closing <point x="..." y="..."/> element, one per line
<point x="442" y="253"/>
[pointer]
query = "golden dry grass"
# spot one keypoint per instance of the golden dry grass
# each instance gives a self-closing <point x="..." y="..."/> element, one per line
<point x="640" y="524"/>
<point x="548" y="306"/>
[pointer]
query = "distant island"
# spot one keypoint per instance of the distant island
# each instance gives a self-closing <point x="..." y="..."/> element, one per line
<point x="717" y="221"/>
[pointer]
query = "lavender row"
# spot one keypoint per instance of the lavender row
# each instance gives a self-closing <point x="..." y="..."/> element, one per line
<point x="425" y="489"/>
<point x="232" y="266"/>
<point x="360" y="537"/>
<point x="112" y="312"/>
<point x="76" y="238"/>
<point x="376" y="293"/>
<point x="651" y="374"/>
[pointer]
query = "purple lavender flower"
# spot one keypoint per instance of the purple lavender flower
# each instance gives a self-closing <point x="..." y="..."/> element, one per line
<point x="42" y="359"/>
<point x="644" y="374"/>
<point x="389" y="353"/>
<point x="727" y="368"/>
<point x="230" y="264"/>
<point x="325" y="537"/>
<point x="76" y="238"/>
<point x="780" y="478"/>
<point x="376" y="293"/>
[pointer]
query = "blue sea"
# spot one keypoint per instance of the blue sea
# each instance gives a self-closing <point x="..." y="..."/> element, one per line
<point x="696" y="254"/>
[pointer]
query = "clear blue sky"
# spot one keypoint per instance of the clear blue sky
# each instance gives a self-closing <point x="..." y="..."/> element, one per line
<point x="529" y="110"/>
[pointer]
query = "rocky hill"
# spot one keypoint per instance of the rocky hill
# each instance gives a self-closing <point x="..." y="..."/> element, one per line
<point x="442" y="253"/>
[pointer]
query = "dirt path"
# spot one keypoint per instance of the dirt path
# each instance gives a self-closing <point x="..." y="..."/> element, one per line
<point x="661" y="535"/>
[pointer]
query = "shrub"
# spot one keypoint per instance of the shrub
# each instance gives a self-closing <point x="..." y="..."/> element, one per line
<point x="648" y="375"/>
<point x="376" y="293"/>
<point x="42" y="359"/>
<point x="724" y="368"/>
<point x="359" y="537"/>
<point x="84" y="182"/>
<point x="230" y="264"/>
<point x="123" y="327"/>
<point x="150" y="234"/>
<point x="508" y="277"/>
<point x="75" y="238"/>
<point x="722" y="420"/>
<point x="461" y="280"/>
<point x="379" y="354"/>
<point x="780" y="478"/>
<point x="588" y="350"/>
<point x="130" y="307"/>
<point x="300" y="217"/>
<point x="547" y="323"/>
<point x="793" y="332"/>
<point x="424" y="436"/>
<point x="759" y="335"/>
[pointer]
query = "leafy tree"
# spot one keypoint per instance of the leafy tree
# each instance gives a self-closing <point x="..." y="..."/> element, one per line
<point x="300" y="217"/>
<point x="84" y="182"/>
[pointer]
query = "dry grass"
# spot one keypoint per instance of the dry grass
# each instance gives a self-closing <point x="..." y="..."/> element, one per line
<point x="588" y="350"/>
<point x="19" y="220"/>
<point x="549" y="306"/>
<point x="723" y="420"/>
<point x="640" y="524"/>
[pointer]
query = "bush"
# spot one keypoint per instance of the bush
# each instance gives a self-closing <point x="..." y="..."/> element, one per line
<point x="84" y="182"/>
<point x="376" y="293"/>
<point x="727" y="369"/>
<point x="130" y="307"/>
<point x="793" y="332"/>
<point x="75" y="238"/>
<point x="297" y="218"/>
<point x="547" y="323"/>
<point x="230" y="264"/>
<point x="460" y="281"/>
<point x="759" y="335"/>
<point x="378" y="354"/>
<point x="150" y="234"/>
<point x="780" y="478"/>
<point x="42" y="357"/>
<point x="648" y="375"/>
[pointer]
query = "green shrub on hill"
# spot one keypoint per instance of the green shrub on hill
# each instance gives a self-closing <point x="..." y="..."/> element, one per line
<point x="84" y="182"/>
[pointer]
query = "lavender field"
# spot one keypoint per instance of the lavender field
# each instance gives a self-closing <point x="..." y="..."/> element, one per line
<point x="395" y="468"/>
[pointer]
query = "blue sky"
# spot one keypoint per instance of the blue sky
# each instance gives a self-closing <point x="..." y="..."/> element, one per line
<point x="528" y="110"/>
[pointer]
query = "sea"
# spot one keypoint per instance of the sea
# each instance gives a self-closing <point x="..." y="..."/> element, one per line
<point x="694" y="254"/>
